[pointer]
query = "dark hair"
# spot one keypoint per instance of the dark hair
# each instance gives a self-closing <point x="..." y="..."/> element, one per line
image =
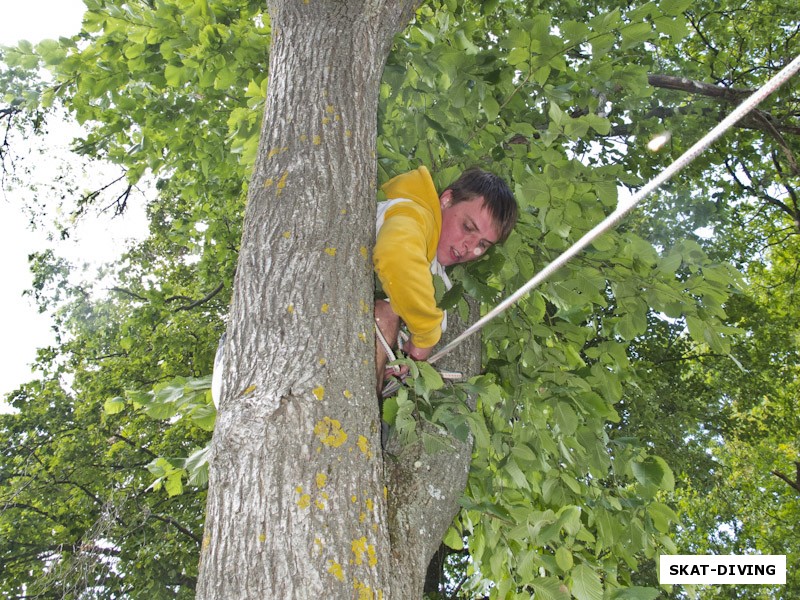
<point x="497" y="197"/>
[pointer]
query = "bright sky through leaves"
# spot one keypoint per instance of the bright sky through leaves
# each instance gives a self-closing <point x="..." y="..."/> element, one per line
<point x="23" y="329"/>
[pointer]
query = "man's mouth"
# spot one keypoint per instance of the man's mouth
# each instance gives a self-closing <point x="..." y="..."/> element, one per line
<point x="455" y="254"/>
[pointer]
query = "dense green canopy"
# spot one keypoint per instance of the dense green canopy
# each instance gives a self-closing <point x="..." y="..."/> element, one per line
<point x="641" y="402"/>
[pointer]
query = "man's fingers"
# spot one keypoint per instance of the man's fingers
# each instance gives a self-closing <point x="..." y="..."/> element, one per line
<point x="400" y="371"/>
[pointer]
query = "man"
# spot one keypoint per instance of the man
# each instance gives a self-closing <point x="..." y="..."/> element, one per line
<point x="419" y="233"/>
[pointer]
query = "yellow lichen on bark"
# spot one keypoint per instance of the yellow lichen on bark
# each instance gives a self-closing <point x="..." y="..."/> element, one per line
<point x="330" y="432"/>
<point x="336" y="570"/>
<point x="363" y="552"/>
<point x="364" y="592"/>
<point x="363" y="445"/>
<point x="282" y="183"/>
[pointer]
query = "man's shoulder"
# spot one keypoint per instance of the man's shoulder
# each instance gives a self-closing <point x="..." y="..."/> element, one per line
<point x="404" y="207"/>
<point x="416" y="185"/>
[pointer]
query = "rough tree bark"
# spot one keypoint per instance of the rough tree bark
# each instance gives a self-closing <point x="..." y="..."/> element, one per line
<point x="425" y="489"/>
<point x="297" y="501"/>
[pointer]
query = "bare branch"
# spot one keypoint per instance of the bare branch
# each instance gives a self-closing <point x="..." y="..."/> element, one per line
<point x="170" y="521"/>
<point x="795" y="485"/>
<point x="759" y="120"/>
<point x="692" y="86"/>
<point x="129" y="293"/>
<point x="202" y="300"/>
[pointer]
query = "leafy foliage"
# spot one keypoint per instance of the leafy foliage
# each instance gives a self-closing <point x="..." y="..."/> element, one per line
<point x="618" y="399"/>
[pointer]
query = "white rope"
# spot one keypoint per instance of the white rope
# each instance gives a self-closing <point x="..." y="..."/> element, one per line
<point x="385" y="344"/>
<point x="623" y="209"/>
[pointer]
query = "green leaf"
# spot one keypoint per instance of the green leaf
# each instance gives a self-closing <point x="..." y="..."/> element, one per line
<point x="204" y="416"/>
<point x="550" y="588"/>
<point x="175" y="75"/>
<point x="491" y="108"/>
<point x="635" y="34"/>
<point x="676" y="28"/>
<point x="605" y="243"/>
<point x="115" y="405"/>
<point x="516" y="474"/>
<point x="196" y="465"/>
<point x="564" y="558"/>
<point x="435" y="444"/>
<point x="566" y="418"/>
<point x="586" y="584"/>
<point x="674" y="7"/>
<point x="569" y="518"/>
<point x="453" y="539"/>
<point x="636" y="593"/>
<point x="663" y="516"/>
<point x="174" y="484"/>
<point x="518" y="56"/>
<point x="160" y="410"/>
<point x="430" y="378"/>
<point x="654" y="471"/>
<point x="51" y="51"/>
<point x="557" y="116"/>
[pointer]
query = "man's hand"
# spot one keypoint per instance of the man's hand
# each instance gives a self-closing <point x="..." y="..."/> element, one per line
<point x="388" y="322"/>
<point x="417" y="353"/>
<point x="401" y="371"/>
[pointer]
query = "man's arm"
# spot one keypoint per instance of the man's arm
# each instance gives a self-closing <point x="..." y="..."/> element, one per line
<point x="402" y="265"/>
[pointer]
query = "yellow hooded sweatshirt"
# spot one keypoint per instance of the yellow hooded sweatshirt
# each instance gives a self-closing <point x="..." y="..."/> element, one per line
<point x="405" y="248"/>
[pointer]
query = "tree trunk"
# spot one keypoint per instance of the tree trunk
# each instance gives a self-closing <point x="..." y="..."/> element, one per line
<point x="425" y="489"/>
<point x="296" y="501"/>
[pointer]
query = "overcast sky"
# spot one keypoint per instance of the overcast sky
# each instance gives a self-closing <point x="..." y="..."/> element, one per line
<point x="35" y="20"/>
<point x="23" y="329"/>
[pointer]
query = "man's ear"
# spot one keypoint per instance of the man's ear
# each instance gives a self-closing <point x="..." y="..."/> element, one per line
<point x="446" y="198"/>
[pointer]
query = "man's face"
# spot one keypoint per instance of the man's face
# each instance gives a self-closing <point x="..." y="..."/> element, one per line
<point x="468" y="230"/>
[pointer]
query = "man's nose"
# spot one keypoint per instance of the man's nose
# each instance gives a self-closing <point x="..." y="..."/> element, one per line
<point x="471" y="248"/>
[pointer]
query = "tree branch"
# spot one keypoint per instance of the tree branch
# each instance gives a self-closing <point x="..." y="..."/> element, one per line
<point x="795" y="485"/>
<point x="170" y="521"/>
<point x="759" y="120"/>
<point x="692" y="86"/>
<point x="121" y="201"/>
<point x="129" y="293"/>
<point x="202" y="300"/>
<point x="424" y="488"/>
<point x="192" y="304"/>
<point x="768" y="126"/>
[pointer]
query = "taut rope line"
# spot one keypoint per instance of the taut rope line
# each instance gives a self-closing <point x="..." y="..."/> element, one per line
<point x="622" y="210"/>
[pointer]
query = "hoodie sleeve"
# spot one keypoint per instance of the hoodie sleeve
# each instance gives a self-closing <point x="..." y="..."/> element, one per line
<point x="402" y="265"/>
